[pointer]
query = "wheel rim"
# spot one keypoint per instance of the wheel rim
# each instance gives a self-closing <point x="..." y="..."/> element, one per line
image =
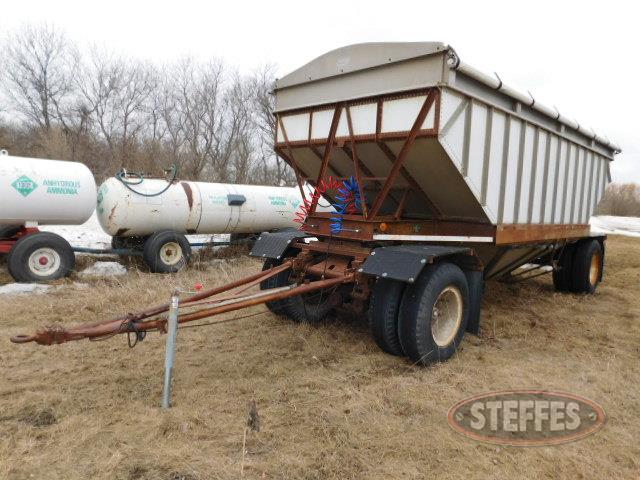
<point x="594" y="268"/>
<point x="44" y="262"/>
<point x="446" y="316"/>
<point x="171" y="253"/>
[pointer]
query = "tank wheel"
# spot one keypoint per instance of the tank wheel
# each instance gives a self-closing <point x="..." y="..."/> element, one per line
<point x="166" y="252"/>
<point x="434" y="313"/>
<point x="383" y="314"/>
<point x="562" y="276"/>
<point x="40" y="257"/>
<point x="310" y="308"/>
<point x="588" y="262"/>
<point x="8" y="231"/>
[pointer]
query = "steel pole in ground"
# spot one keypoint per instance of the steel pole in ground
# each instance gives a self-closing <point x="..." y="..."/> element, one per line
<point x="172" y="333"/>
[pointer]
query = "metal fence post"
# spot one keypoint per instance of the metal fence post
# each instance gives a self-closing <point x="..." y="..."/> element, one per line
<point x="172" y="332"/>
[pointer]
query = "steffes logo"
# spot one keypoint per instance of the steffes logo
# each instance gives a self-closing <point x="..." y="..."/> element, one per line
<point x="526" y="417"/>
<point x="24" y="185"/>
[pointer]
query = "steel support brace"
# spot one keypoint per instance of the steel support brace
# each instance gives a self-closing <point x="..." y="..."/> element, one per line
<point x="172" y="333"/>
<point x="404" y="151"/>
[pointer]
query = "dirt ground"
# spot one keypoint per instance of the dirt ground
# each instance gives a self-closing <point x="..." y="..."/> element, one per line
<point x="331" y="404"/>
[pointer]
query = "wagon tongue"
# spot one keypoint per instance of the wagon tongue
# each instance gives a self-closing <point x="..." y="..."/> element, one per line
<point x="231" y="297"/>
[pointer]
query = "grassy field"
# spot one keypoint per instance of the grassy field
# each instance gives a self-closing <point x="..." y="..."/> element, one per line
<point x="331" y="404"/>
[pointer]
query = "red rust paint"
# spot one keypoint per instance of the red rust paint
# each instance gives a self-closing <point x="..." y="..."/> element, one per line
<point x="526" y="417"/>
<point x="189" y="192"/>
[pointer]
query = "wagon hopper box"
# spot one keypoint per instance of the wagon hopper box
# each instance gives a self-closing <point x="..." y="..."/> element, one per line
<point x="442" y="178"/>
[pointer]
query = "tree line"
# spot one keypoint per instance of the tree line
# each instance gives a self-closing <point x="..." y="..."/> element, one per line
<point x="621" y="199"/>
<point x="111" y="112"/>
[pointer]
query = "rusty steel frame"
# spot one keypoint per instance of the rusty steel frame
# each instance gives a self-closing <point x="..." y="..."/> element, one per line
<point x="285" y="149"/>
<point x="6" y="245"/>
<point x="356" y="163"/>
<point x="290" y="161"/>
<point x="148" y="320"/>
<point x="402" y="155"/>
<point x="150" y="312"/>
<point x="379" y="135"/>
<point x="327" y="154"/>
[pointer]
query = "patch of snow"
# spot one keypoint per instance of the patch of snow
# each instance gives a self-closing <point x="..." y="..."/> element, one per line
<point x="91" y="235"/>
<point x="629" y="226"/>
<point x="104" y="269"/>
<point x="87" y="235"/>
<point x="23" y="288"/>
<point x="201" y="238"/>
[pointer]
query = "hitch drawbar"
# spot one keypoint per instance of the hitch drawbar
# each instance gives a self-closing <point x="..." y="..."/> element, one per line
<point x="233" y="296"/>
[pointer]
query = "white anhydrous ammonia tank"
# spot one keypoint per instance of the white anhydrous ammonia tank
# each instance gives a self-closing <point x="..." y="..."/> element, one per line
<point x="47" y="192"/>
<point x="194" y="207"/>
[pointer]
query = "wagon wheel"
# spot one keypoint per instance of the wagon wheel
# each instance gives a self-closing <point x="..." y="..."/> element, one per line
<point x="434" y="314"/>
<point x="311" y="307"/>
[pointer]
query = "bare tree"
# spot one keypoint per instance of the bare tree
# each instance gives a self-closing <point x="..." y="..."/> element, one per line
<point x="622" y="199"/>
<point x="111" y="112"/>
<point x="116" y="92"/>
<point x="273" y="168"/>
<point x="36" y="74"/>
<point x="199" y="112"/>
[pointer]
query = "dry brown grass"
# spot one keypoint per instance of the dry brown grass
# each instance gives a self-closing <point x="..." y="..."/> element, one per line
<point x="331" y="404"/>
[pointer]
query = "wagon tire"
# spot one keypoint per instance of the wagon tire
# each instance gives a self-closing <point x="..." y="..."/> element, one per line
<point x="384" y="307"/>
<point x="562" y="275"/>
<point x="166" y="252"/>
<point x="588" y="262"/>
<point x="298" y="308"/>
<point x="40" y="257"/>
<point x="434" y="314"/>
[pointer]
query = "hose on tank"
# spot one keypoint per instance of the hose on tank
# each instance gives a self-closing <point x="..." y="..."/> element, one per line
<point x="122" y="175"/>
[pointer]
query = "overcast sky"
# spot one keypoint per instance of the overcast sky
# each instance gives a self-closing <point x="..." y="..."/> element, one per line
<point x="579" y="56"/>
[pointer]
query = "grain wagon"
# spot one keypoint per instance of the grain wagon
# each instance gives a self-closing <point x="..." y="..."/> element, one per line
<point x="442" y="178"/>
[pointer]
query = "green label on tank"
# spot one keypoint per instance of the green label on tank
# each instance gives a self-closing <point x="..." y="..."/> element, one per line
<point x="24" y="185"/>
<point x="278" y="201"/>
<point x="62" y="187"/>
<point x="218" y="199"/>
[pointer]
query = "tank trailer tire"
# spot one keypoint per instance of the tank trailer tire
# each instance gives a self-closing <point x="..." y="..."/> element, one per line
<point x="383" y="314"/>
<point x="300" y="309"/>
<point x="8" y="231"/>
<point x="434" y="313"/>
<point x="166" y="252"/>
<point x="562" y="277"/>
<point x="40" y="257"/>
<point x="588" y="262"/>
